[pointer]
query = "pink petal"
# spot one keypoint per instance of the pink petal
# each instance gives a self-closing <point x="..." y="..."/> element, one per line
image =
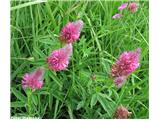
<point x="123" y="6"/>
<point x="38" y="74"/>
<point x="116" y="16"/>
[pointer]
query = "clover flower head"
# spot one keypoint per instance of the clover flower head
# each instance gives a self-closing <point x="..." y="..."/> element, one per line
<point x="59" y="59"/>
<point x="33" y="80"/>
<point x="71" y="31"/>
<point x="133" y="7"/>
<point x="127" y="63"/>
<point x="121" y="113"/>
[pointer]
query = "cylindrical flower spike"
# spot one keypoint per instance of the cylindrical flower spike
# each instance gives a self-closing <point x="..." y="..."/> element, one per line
<point x="116" y="16"/>
<point x="123" y="6"/>
<point x="59" y="59"/>
<point x="33" y="80"/>
<point x="133" y="7"/>
<point x="121" y="113"/>
<point x="127" y="63"/>
<point x="71" y="32"/>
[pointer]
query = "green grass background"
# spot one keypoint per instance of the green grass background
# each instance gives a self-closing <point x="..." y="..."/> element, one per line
<point x="35" y="28"/>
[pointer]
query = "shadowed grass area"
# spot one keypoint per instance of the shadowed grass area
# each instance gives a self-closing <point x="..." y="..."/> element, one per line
<point x="35" y="28"/>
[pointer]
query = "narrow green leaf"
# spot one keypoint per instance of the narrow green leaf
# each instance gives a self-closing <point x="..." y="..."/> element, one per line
<point x="17" y="104"/>
<point x="50" y="101"/>
<point x="56" y="109"/>
<point x="80" y="105"/>
<point x="104" y="104"/>
<point x="58" y="95"/>
<point x="42" y="92"/>
<point x="19" y="95"/>
<point x="55" y="79"/>
<point x="93" y="100"/>
<point x="34" y="99"/>
<point x="27" y="4"/>
<point x="70" y="112"/>
<point x="39" y="52"/>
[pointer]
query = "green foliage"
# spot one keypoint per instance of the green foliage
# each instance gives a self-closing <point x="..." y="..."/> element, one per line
<point x="73" y="93"/>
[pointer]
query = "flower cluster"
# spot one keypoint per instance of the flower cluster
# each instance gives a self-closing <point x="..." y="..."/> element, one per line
<point x="132" y="7"/>
<point x="127" y="63"/>
<point x="59" y="59"/>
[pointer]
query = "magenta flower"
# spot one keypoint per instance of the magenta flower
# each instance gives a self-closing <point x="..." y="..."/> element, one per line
<point x="33" y="80"/>
<point x="119" y="81"/>
<point x="116" y="16"/>
<point x="133" y="7"/>
<point x="59" y="59"/>
<point x="123" y="6"/>
<point x="121" y="113"/>
<point x="127" y="63"/>
<point x="71" y="32"/>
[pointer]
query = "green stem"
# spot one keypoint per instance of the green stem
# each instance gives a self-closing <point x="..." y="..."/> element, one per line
<point x="70" y="112"/>
<point x="29" y="94"/>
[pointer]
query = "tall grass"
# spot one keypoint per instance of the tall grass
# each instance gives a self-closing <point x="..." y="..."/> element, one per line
<point x="73" y="93"/>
